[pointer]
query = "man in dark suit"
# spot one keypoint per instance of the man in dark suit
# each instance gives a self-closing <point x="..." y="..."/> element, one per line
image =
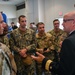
<point x="66" y="65"/>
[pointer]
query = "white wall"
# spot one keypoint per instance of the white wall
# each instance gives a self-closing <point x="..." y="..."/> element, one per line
<point x="29" y="11"/>
<point x="35" y="10"/>
<point x="20" y="12"/>
<point x="41" y="10"/>
<point x="9" y="10"/>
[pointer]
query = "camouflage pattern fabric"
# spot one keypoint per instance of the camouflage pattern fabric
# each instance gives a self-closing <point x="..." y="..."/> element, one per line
<point x="4" y="39"/>
<point x="44" y="42"/>
<point x="20" y="40"/>
<point x="57" y="38"/>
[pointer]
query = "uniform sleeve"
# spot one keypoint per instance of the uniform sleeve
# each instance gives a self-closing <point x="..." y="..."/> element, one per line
<point x="6" y="41"/>
<point x="32" y="46"/>
<point x="50" y="65"/>
<point x="13" y="44"/>
<point x="50" y="42"/>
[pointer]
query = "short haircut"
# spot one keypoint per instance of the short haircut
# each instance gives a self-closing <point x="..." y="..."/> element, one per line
<point x="39" y="23"/>
<point x="23" y="16"/>
<point x="55" y="20"/>
<point x="12" y="22"/>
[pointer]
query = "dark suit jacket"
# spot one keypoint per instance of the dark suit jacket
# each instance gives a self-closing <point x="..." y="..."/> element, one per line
<point x="66" y="65"/>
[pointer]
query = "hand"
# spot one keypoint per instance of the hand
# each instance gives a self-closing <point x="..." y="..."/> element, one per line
<point x="38" y="58"/>
<point x="23" y="52"/>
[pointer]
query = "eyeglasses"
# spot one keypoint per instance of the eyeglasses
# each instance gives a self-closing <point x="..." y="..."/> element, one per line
<point x="65" y="20"/>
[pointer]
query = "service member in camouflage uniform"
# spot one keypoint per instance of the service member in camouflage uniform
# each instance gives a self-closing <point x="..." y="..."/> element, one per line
<point x="22" y="42"/>
<point x="44" y="46"/>
<point x="5" y="53"/>
<point x="58" y="35"/>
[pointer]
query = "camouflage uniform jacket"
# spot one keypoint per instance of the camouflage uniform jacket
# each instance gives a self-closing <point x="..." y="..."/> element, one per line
<point x="20" y="40"/>
<point x="57" y="38"/>
<point x="44" y="42"/>
<point x="5" y="69"/>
